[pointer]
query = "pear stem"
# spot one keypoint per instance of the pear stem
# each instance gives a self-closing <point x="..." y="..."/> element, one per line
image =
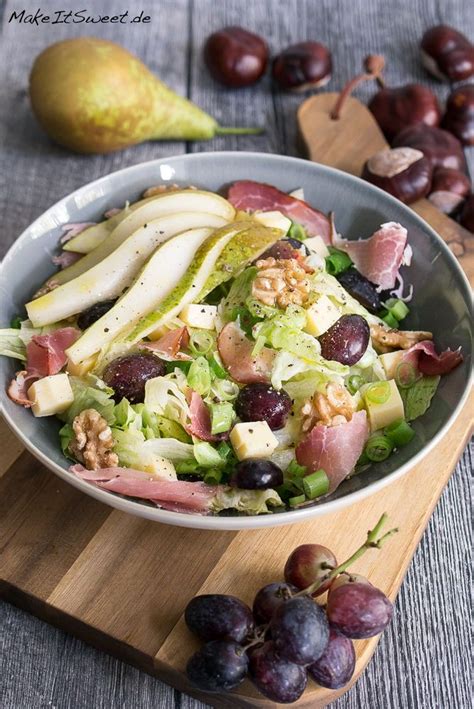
<point x="221" y="130"/>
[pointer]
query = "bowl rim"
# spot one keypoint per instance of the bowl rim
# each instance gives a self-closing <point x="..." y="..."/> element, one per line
<point x="238" y="523"/>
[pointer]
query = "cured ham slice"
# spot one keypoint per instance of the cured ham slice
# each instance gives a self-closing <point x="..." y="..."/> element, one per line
<point x="235" y="350"/>
<point x="66" y="258"/>
<point x="45" y="354"/>
<point x="169" y="346"/>
<point x="73" y="229"/>
<point x="335" y="449"/>
<point x="252" y="196"/>
<point x="18" y="388"/>
<point x="378" y="258"/>
<point x="175" y="495"/>
<point x="426" y="360"/>
<point x="200" y="420"/>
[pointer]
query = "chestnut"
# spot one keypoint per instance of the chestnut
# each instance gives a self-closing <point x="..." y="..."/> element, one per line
<point x="409" y="105"/>
<point x="443" y="149"/>
<point x="447" y="54"/>
<point x="467" y="214"/>
<point x="448" y="189"/>
<point x="235" y="57"/>
<point x="302" y="66"/>
<point x="459" y="116"/>
<point x="404" y="173"/>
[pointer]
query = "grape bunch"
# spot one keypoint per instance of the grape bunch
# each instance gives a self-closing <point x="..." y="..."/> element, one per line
<point x="288" y="635"/>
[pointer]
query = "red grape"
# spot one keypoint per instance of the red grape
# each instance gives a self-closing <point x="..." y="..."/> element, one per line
<point x="342" y="579"/>
<point x="359" y="610"/>
<point x="346" y="341"/>
<point x="219" y="617"/>
<point x="336" y="665"/>
<point x="256" y="474"/>
<point x="261" y="402"/>
<point x="94" y="313"/>
<point x="276" y="678"/>
<point x="128" y="375"/>
<point x="218" y="666"/>
<point x="309" y="563"/>
<point x="361" y="289"/>
<point x="269" y="598"/>
<point x="300" y="630"/>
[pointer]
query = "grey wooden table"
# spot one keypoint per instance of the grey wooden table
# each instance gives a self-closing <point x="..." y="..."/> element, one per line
<point x="423" y="659"/>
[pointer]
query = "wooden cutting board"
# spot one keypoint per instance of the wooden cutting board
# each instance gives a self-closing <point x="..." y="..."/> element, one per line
<point x="122" y="583"/>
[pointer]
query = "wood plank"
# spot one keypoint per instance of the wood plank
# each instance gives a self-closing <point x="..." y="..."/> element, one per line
<point x="348" y="142"/>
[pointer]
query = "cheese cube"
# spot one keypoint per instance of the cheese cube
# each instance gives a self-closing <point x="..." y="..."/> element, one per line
<point x="79" y="369"/>
<point x="50" y="395"/>
<point x="315" y="243"/>
<point x="321" y="315"/>
<point x="274" y="220"/>
<point x="197" y="315"/>
<point x="253" y="440"/>
<point x="390" y="362"/>
<point x="381" y="415"/>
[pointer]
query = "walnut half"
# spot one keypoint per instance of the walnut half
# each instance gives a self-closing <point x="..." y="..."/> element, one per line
<point x="386" y="339"/>
<point x="93" y="442"/>
<point x="281" y="282"/>
<point x="332" y="408"/>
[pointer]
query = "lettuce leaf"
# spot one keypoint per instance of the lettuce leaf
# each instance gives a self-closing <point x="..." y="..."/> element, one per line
<point x="417" y="398"/>
<point x="304" y="374"/>
<point x="11" y="344"/>
<point x="248" y="501"/>
<point x="165" y="396"/>
<point x="134" y="451"/>
<point x="238" y="294"/>
<point x="90" y="393"/>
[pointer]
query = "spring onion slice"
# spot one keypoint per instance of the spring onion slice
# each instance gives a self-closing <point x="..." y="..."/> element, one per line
<point x="337" y="262"/>
<point x="399" y="432"/>
<point x="201" y="342"/>
<point x="406" y="375"/>
<point x="378" y="448"/>
<point x="316" y="484"/>
<point x="213" y="477"/>
<point x="295" y="501"/>
<point x="378" y="393"/>
<point x="354" y="383"/>
<point x="397" y="308"/>
<point x="390" y="320"/>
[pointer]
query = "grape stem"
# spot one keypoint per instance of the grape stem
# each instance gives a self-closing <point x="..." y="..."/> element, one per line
<point x="373" y="541"/>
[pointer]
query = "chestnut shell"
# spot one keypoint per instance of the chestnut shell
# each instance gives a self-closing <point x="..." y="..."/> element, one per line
<point x="449" y="188"/>
<point x="409" y="185"/>
<point x="459" y="116"/>
<point x="302" y="66"/>
<point x="448" y="53"/>
<point x="441" y="148"/>
<point x="409" y="105"/>
<point x="235" y="57"/>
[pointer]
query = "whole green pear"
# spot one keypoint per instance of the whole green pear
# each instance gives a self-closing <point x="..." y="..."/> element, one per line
<point x="93" y="96"/>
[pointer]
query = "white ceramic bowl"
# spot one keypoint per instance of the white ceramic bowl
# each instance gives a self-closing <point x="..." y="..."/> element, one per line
<point x="441" y="303"/>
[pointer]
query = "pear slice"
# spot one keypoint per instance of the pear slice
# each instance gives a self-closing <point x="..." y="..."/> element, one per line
<point x="108" y="278"/>
<point x="191" y="284"/>
<point x="247" y="245"/>
<point x="170" y="278"/>
<point x="87" y="240"/>
<point x="168" y="203"/>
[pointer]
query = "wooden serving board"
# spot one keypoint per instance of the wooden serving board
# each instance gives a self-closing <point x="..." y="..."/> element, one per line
<point x="122" y="583"/>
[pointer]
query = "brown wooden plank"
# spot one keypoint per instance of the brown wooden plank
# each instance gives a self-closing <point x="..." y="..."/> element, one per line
<point x="10" y="447"/>
<point x="44" y="525"/>
<point x="348" y="142"/>
<point x="134" y="578"/>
